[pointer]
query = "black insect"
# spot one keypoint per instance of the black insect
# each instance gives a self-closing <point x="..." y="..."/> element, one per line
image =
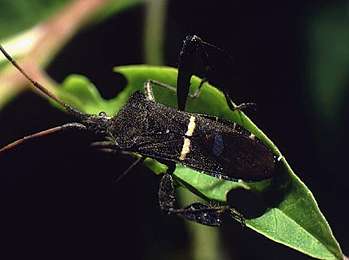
<point x="214" y="146"/>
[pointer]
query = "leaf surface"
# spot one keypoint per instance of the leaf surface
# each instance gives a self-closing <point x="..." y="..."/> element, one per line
<point x="290" y="213"/>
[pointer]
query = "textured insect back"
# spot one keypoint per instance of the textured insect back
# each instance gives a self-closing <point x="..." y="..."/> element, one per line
<point x="131" y="122"/>
<point x="226" y="151"/>
<point x="150" y="128"/>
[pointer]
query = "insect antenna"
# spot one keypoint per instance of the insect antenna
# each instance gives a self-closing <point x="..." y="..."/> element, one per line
<point x="218" y="49"/>
<point x="69" y="109"/>
<point x="41" y="88"/>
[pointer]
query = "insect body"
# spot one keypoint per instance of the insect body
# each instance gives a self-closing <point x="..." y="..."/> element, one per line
<point x="214" y="146"/>
<point x="205" y="143"/>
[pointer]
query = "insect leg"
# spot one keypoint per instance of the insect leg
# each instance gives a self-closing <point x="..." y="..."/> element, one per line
<point x="148" y="88"/>
<point x="167" y="196"/>
<point x="110" y="147"/>
<point x="195" y="46"/>
<point x="239" y="107"/>
<point x="198" y="90"/>
<point x="230" y="102"/>
<point x="186" y="68"/>
<point x="198" y="212"/>
<point x="127" y="171"/>
<point x="205" y="58"/>
<point x="103" y="145"/>
<point x="106" y="147"/>
<point x="44" y="133"/>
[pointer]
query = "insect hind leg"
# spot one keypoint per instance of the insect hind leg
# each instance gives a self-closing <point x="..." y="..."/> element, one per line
<point x="148" y="90"/>
<point x="210" y="215"/>
<point x="239" y="107"/>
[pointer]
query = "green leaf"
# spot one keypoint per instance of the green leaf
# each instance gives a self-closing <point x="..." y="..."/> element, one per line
<point x="24" y="14"/>
<point x="291" y="215"/>
<point x="78" y="91"/>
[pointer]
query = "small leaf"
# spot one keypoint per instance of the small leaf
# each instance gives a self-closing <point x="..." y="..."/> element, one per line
<point x="291" y="215"/>
<point x="82" y="94"/>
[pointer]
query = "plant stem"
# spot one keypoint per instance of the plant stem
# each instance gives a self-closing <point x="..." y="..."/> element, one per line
<point x="51" y="35"/>
<point x="205" y="240"/>
<point x="154" y="32"/>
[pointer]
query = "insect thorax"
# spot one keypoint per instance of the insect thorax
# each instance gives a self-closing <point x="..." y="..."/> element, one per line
<point x="142" y="124"/>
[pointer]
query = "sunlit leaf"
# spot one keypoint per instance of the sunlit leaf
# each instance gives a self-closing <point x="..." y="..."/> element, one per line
<point x="290" y="213"/>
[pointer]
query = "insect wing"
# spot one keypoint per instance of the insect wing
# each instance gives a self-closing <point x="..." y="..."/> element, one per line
<point x="226" y="152"/>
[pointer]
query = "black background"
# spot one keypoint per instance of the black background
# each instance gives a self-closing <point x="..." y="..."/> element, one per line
<point x="57" y="196"/>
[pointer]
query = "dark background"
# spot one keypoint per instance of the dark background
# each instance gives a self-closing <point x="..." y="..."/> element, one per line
<point x="57" y="196"/>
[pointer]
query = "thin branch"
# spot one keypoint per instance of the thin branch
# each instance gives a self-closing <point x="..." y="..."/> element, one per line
<point x="53" y="34"/>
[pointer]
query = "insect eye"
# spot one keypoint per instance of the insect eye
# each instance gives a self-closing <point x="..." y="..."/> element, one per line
<point x="102" y="114"/>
